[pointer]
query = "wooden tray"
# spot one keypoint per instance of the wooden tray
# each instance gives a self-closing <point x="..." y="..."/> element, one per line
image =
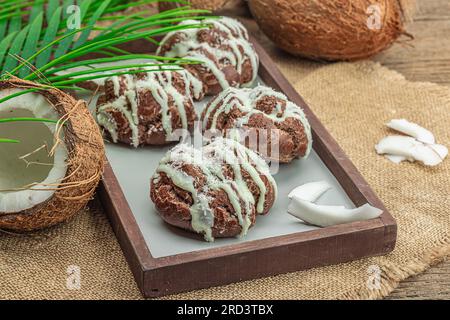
<point x="259" y="258"/>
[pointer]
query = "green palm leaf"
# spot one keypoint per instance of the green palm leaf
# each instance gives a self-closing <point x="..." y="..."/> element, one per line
<point x="8" y="140"/>
<point x="16" y="46"/>
<point x="5" y="44"/>
<point x="31" y="43"/>
<point x="66" y="42"/>
<point x="52" y="6"/>
<point x="92" y="21"/>
<point x="36" y="9"/>
<point x="3" y="26"/>
<point x="69" y="44"/>
<point x="15" y="22"/>
<point x="49" y="36"/>
<point x="27" y="119"/>
<point x="36" y="33"/>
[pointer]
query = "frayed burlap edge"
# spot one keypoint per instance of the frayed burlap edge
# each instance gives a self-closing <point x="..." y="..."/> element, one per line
<point x="393" y="275"/>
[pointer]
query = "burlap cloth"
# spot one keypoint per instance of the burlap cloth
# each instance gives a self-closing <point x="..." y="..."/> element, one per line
<point x="353" y="101"/>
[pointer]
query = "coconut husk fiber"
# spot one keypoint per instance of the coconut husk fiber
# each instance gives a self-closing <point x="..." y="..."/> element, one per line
<point x="332" y="30"/>
<point x="85" y="161"/>
<point x="353" y="100"/>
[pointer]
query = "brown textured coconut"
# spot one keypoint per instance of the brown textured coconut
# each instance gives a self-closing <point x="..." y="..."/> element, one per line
<point x="84" y="164"/>
<point x="330" y="29"/>
<point x="212" y="5"/>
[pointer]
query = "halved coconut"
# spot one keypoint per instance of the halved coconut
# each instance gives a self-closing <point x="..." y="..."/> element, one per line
<point x="54" y="170"/>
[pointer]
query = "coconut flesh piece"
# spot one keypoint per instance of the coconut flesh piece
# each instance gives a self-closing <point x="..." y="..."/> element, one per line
<point x="28" y="162"/>
<point x="412" y="129"/>
<point x="303" y="208"/>
<point x="408" y="148"/>
<point x="325" y="216"/>
<point x="419" y="146"/>
<point x="395" y="159"/>
<point x="310" y="191"/>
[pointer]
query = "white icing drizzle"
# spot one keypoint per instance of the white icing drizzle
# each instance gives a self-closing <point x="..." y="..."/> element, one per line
<point x="245" y="100"/>
<point x="237" y="38"/>
<point x="209" y="160"/>
<point x="107" y="121"/>
<point x="161" y="86"/>
<point x="212" y="66"/>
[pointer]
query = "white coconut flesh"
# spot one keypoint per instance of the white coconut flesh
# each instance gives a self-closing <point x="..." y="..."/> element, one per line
<point x="302" y="206"/>
<point x="399" y="148"/>
<point x="31" y="180"/>
<point x="311" y="191"/>
<point x="325" y="216"/>
<point x="412" y="129"/>
<point x="420" y="145"/>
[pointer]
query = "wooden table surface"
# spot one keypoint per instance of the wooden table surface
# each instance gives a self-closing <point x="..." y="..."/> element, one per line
<point x="426" y="58"/>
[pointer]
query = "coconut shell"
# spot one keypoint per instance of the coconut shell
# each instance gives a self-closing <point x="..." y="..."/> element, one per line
<point x="85" y="163"/>
<point x="331" y="29"/>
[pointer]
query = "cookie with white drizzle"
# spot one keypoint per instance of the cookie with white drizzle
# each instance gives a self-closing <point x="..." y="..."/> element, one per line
<point x="280" y="128"/>
<point x="226" y="55"/>
<point x="216" y="191"/>
<point x="146" y="108"/>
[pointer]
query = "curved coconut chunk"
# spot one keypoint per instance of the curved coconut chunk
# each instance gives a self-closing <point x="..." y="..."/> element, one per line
<point x="38" y="170"/>
<point x="412" y="129"/>
<point x="441" y="150"/>
<point x="410" y="149"/>
<point x="324" y="216"/>
<point x="310" y="191"/>
<point x="395" y="159"/>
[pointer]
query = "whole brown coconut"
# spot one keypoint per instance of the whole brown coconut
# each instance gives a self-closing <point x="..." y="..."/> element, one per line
<point x="54" y="170"/>
<point x="332" y="29"/>
<point x="195" y="4"/>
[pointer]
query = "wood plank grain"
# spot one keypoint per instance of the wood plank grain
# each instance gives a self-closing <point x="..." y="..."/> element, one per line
<point x="433" y="284"/>
<point x="426" y="58"/>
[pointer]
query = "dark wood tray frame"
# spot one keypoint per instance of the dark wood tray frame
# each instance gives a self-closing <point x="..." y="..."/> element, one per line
<point x="255" y="259"/>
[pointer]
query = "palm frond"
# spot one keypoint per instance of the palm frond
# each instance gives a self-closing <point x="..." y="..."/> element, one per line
<point x="38" y="44"/>
<point x="2" y="140"/>
<point x="16" y="46"/>
<point x="27" y="119"/>
<point x="48" y="43"/>
<point x="5" y="45"/>
<point x="31" y="42"/>
<point x="49" y="36"/>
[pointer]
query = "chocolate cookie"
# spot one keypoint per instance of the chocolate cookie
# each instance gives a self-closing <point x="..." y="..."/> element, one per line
<point x="146" y="108"/>
<point x="261" y="118"/>
<point x="227" y="57"/>
<point x="216" y="191"/>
